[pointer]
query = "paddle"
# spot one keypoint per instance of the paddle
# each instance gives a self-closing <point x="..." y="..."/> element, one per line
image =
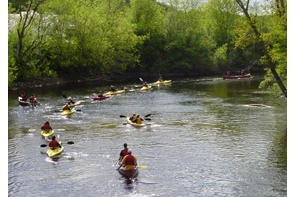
<point x="122" y="116"/>
<point x="60" y="110"/>
<point x="142" y="166"/>
<point x="44" y="145"/>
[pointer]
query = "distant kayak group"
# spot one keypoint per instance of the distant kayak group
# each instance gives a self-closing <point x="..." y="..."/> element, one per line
<point x="127" y="165"/>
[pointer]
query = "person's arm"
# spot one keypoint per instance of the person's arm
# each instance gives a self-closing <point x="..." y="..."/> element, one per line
<point x="120" y="157"/>
<point x="122" y="163"/>
<point x="120" y="166"/>
<point x="135" y="161"/>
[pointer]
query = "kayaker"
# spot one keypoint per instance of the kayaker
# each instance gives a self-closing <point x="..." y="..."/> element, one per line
<point x="138" y="120"/>
<point x="33" y="99"/>
<point x="243" y="73"/>
<point x="53" y="144"/>
<point x="24" y="97"/>
<point x="145" y="84"/>
<point x="129" y="161"/>
<point x="160" y="78"/>
<point x="100" y="94"/>
<point x="70" y="100"/>
<point x="112" y="89"/>
<point x="227" y="73"/>
<point x="123" y="152"/>
<point x="66" y="107"/>
<point x="46" y="126"/>
<point x="133" y="118"/>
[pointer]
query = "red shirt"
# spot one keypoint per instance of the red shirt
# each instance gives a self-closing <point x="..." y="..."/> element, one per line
<point x="46" y="126"/>
<point x="66" y="107"/>
<point x="53" y="144"/>
<point x="124" y="153"/>
<point x="24" y="97"/>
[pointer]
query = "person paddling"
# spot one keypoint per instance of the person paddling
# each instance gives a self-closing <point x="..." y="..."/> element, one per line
<point x="66" y="107"/>
<point x="33" y="99"/>
<point x="129" y="161"/>
<point x="133" y="118"/>
<point x="123" y="152"/>
<point x="46" y="127"/>
<point x="70" y="100"/>
<point x="24" y="97"/>
<point x="53" y="144"/>
<point x="112" y="89"/>
<point x="138" y="119"/>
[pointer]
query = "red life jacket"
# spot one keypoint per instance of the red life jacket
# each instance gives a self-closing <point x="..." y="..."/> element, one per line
<point x="24" y="97"/>
<point x="53" y="144"/>
<point x="45" y="127"/>
<point x="66" y="107"/>
<point x="129" y="160"/>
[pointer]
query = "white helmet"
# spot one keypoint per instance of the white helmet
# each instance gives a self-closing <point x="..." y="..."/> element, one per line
<point x="129" y="151"/>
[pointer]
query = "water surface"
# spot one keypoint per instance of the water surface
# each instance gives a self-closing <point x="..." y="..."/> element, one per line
<point x="206" y="137"/>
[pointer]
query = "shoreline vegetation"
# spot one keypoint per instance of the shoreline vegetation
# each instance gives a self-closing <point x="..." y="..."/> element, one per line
<point x="130" y="77"/>
<point x="95" y="40"/>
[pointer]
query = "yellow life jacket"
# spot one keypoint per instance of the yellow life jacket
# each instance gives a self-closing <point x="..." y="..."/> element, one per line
<point x="133" y="118"/>
<point x="138" y="121"/>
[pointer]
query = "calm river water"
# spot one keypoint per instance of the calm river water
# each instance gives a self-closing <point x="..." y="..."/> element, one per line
<point x="206" y="137"/>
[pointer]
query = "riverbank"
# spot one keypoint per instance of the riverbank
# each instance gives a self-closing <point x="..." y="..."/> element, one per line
<point x="57" y="81"/>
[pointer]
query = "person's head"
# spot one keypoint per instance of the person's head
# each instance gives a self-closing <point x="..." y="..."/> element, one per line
<point x="137" y="116"/>
<point x="53" y="137"/>
<point x="125" y="145"/>
<point x="129" y="151"/>
<point x="47" y="122"/>
<point x="134" y="114"/>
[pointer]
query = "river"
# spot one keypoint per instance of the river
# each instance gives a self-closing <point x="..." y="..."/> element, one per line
<point x="206" y="137"/>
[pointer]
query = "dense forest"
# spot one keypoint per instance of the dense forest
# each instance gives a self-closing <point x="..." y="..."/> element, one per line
<point x="111" y="38"/>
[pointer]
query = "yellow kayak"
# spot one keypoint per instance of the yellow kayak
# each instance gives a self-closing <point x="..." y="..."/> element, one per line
<point x="145" y="88"/>
<point x="54" y="152"/>
<point x="114" y="92"/>
<point x="47" y="133"/>
<point x="134" y="124"/>
<point x="165" y="82"/>
<point x="68" y="112"/>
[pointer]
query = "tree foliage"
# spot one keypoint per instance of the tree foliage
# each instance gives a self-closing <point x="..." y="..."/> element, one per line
<point x="51" y="38"/>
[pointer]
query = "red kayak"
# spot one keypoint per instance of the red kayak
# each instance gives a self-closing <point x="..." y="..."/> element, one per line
<point x="237" y="76"/>
<point x="100" y="98"/>
<point x="132" y="173"/>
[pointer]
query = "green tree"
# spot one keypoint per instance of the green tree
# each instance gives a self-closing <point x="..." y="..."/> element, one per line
<point x="91" y="37"/>
<point x="27" y="32"/>
<point x="147" y="17"/>
<point x="273" y="41"/>
<point x="221" y="18"/>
